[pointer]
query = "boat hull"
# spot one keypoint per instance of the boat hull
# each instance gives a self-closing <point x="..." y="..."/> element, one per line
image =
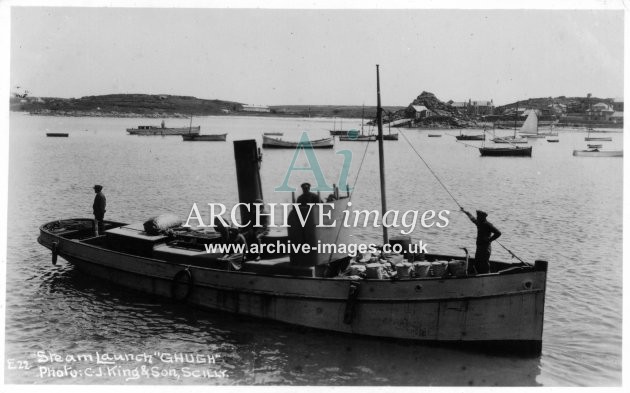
<point x="57" y="134"/>
<point x="506" y="151"/>
<point x="501" y="309"/>
<point x="275" y="143"/>
<point x="470" y="137"/>
<point x="510" y="141"/>
<point x="389" y="137"/>
<point x="598" y="153"/>
<point x="164" y="131"/>
<point x="204" y="138"/>
<point x="601" y="139"/>
<point x="358" y="138"/>
<point x="533" y="136"/>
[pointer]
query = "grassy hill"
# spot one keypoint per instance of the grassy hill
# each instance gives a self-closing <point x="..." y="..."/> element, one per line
<point x="147" y="105"/>
<point x="123" y="105"/>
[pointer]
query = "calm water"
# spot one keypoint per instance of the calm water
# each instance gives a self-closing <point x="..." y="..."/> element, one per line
<point x="553" y="206"/>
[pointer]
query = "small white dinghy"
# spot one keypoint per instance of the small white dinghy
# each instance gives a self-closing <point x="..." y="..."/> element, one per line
<point x="598" y="153"/>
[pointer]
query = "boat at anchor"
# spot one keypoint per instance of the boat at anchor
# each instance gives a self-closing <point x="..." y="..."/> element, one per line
<point x="204" y="138"/>
<point x="278" y="143"/>
<point x="503" y="309"/>
<point x="598" y="153"/>
<point x="163" y="130"/>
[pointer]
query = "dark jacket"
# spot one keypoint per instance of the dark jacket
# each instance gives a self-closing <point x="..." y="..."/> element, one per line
<point x="486" y="232"/>
<point x="99" y="205"/>
<point x="308" y="197"/>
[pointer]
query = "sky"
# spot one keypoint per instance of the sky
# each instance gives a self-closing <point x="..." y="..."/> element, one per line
<point x="317" y="56"/>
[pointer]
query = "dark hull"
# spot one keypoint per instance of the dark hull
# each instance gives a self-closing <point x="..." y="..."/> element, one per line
<point x="504" y="309"/>
<point x="470" y="137"/>
<point x="57" y="134"/>
<point x="506" y="151"/>
<point x="163" y="131"/>
<point x="204" y="138"/>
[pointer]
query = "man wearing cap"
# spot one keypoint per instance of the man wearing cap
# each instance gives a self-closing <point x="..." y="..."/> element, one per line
<point x="99" y="209"/>
<point x="486" y="234"/>
<point x="307" y="196"/>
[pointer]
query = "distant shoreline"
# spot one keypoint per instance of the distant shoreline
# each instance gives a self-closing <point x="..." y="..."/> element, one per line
<point x="559" y="126"/>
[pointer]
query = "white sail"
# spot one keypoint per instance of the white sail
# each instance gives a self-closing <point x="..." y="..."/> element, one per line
<point x="531" y="124"/>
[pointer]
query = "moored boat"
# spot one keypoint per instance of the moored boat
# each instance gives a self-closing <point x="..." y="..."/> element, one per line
<point x="512" y="151"/>
<point x="389" y="137"/>
<point x="152" y="130"/>
<point x="57" y="134"/>
<point x="553" y="140"/>
<point x="598" y="153"/>
<point x="476" y="137"/>
<point x="204" y="138"/>
<point x="352" y="137"/>
<point x="599" y="139"/>
<point x="434" y="135"/>
<point x="277" y="143"/>
<point x="510" y="140"/>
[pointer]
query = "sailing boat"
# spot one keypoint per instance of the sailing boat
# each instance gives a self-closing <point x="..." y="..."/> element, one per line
<point x="529" y="129"/>
<point x="477" y="137"/>
<point x="511" y="139"/>
<point x="511" y="151"/>
<point x="590" y="138"/>
<point x="354" y="136"/>
<point x="503" y="309"/>
<point x="196" y="137"/>
<point x="335" y="131"/>
<point x="389" y="136"/>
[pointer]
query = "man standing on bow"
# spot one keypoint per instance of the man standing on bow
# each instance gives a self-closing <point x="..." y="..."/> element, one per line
<point x="486" y="234"/>
<point x="99" y="210"/>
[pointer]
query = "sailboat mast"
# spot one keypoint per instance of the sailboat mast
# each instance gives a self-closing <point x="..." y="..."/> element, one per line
<point x="381" y="157"/>
<point x="515" y="118"/>
<point x="362" y="117"/>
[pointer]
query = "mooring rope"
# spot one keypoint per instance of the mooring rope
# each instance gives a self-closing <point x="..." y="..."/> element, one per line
<point x="451" y="195"/>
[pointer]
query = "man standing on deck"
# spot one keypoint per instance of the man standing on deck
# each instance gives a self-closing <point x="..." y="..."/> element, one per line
<point x="307" y="196"/>
<point x="486" y="234"/>
<point x="99" y="210"/>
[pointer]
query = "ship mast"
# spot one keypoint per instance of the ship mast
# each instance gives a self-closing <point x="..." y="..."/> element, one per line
<point x="381" y="157"/>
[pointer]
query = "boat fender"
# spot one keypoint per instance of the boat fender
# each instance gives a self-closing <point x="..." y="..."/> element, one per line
<point x="353" y="294"/>
<point x="55" y="251"/>
<point x="528" y="284"/>
<point x="182" y="277"/>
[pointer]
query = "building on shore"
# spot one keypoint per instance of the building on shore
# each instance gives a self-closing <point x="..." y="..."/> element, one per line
<point x="418" y="111"/>
<point x="600" y="111"/>
<point x="470" y="107"/>
<point x="256" y="108"/>
<point x="617" y="117"/>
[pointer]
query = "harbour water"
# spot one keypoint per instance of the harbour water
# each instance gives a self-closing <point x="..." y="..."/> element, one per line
<point x="553" y="206"/>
